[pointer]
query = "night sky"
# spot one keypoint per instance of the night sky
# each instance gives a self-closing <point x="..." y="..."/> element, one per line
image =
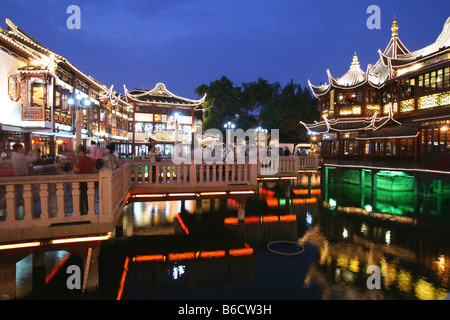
<point x="188" y="43"/>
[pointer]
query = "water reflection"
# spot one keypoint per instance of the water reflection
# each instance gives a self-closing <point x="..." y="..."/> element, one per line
<point x="24" y="271"/>
<point x="405" y="235"/>
<point x="344" y="230"/>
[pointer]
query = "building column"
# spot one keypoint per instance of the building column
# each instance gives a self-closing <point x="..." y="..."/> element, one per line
<point x="440" y="187"/>
<point x="90" y="283"/>
<point x="52" y="146"/>
<point x="325" y="176"/>
<point x="338" y="176"/>
<point x="27" y="141"/>
<point x="309" y="180"/>
<point x="119" y="227"/>
<point x="288" y="189"/>
<point x="374" y="180"/>
<point x="7" y="279"/>
<point x="198" y="206"/>
<point x="426" y="188"/>
<point x="362" y="179"/>
<point x="416" y="186"/>
<point x="241" y="209"/>
<point x="39" y="264"/>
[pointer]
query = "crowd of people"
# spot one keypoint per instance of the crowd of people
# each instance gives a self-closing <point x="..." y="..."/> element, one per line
<point x="20" y="161"/>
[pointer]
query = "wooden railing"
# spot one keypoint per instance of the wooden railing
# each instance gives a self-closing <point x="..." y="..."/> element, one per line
<point x="160" y="175"/>
<point x="52" y="201"/>
<point x="290" y="165"/>
<point x="308" y="162"/>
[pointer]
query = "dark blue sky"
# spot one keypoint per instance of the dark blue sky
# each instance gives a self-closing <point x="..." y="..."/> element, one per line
<point x="188" y="43"/>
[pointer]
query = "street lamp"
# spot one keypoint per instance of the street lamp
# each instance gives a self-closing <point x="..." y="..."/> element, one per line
<point x="77" y="101"/>
<point x="230" y="141"/>
<point x="229" y="125"/>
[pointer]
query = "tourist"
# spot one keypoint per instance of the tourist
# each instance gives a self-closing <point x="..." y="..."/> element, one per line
<point x="21" y="160"/>
<point x="153" y="154"/>
<point x="95" y="153"/>
<point x="84" y="166"/>
<point x="110" y="160"/>
<point x="303" y="151"/>
<point x="113" y="144"/>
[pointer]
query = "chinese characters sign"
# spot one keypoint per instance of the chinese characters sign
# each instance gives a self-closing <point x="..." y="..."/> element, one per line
<point x="32" y="113"/>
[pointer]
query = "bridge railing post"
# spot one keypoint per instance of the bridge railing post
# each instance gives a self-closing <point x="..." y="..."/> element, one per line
<point x="105" y="193"/>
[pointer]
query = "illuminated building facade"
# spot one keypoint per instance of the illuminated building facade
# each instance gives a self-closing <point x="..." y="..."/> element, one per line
<point x="395" y="114"/>
<point x="162" y="119"/>
<point x="35" y="85"/>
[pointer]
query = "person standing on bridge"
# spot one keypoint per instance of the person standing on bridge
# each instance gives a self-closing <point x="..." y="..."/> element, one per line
<point x="21" y="160"/>
<point x="84" y="165"/>
<point x="95" y="153"/>
<point x="110" y="159"/>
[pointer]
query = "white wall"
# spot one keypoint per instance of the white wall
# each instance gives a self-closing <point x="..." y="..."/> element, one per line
<point x="10" y="111"/>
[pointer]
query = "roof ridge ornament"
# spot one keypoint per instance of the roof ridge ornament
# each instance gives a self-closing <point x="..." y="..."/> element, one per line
<point x="394" y="27"/>
<point x="355" y="63"/>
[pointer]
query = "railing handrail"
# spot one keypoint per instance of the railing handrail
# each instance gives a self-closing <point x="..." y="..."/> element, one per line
<point x="114" y="188"/>
<point x="49" y="178"/>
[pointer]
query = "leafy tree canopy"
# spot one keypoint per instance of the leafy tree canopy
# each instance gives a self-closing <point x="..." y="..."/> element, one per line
<point x="259" y="103"/>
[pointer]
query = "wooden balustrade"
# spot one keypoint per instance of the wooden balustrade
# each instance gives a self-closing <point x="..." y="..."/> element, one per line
<point x="207" y="175"/>
<point x="308" y="162"/>
<point x="46" y="202"/>
<point x="289" y="165"/>
<point x="61" y="200"/>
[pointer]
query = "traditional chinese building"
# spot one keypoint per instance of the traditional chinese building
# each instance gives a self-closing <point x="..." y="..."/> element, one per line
<point x="162" y="119"/>
<point x="35" y="85"/>
<point x="395" y="114"/>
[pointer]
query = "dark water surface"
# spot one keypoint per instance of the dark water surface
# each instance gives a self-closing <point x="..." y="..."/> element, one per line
<point x="341" y="232"/>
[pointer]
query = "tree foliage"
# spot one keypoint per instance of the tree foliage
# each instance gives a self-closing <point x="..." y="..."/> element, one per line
<point x="259" y="103"/>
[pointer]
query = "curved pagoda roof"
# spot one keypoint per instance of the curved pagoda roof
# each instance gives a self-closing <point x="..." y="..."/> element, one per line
<point x="404" y="58"/>
<point x="160" y="95"/>
<point x="42" y="60"/>
<point x="369" y="126"/>
<point x="395" y="56"/>
<point x="375" y="75"/>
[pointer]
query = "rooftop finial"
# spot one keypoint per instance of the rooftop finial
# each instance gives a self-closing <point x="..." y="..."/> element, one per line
<point x="355" y="62"/>
<point x="394" y="27"/>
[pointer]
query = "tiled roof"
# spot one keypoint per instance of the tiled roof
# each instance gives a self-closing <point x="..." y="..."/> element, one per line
<point x="390" y="131"/>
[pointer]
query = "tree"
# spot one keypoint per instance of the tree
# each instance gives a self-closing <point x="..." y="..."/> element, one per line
<point x="223" y="103"/>
<point x="259" y="103"/>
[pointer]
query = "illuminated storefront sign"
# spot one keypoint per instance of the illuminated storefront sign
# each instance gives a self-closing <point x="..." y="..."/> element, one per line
<point x="33" y="113"/>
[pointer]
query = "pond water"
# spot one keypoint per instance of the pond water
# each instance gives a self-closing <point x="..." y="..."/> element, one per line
<point x="199" y="249"/>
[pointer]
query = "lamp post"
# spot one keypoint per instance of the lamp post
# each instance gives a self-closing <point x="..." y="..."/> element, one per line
<point x="229" y="125"/>
<point x="229" y="144"/>
<point x="77" y="101"/>
<point x="261" y="137"/>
